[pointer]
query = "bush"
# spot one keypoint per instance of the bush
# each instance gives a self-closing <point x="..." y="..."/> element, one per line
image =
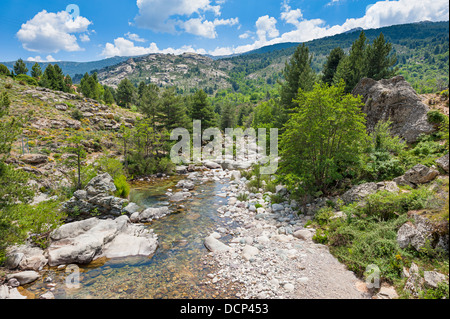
<point x="385" y="205"/>
<point x="435" y="117"/>
<point x="18" y="222"/>
<point x="26" y="79"/>
<point x="77" y="115"/>
<point x="4" y="70"/>
<point x="165" y="165"/>
<point x="123" y="188"/>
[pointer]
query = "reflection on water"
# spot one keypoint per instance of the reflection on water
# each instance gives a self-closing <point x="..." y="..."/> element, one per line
<point x="175" y="271"/>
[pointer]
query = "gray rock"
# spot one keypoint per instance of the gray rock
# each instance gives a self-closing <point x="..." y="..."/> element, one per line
<point x="416" y="235"/>
<point x="420" y="174"/>
<point x="34" y="159"/>
<point x="10" y="293"/>
<point x="185" y="185"/>
<point x="395" y="100"/>
<point x="215" y="245"/>
<point x="249" y="252"/>
<point x="433" y="278"/>
<point x="24" y="277"/>
<point x="131" y="208"/>
<point x="153" y="214"/>
<point x="181" y="169"/>
<point x="277" y="208"/>
<point x="443" y="162"/>
<point x="48" y="295"/>
<point x="25" y="257"/>
<point x="212" y="165"/>
<point x="387" y="293"/>
<point x="303" y="234"/>
<point x="177" y="197"/>
<point x="83" y="241"/>
<point x="359" y="192"/>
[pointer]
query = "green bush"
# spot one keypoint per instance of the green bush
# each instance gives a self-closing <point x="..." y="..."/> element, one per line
<point x="27" y="79"/>
<point x="385" y="205"/>
<point x="77" y="115"/>
<point x="242" y="197"/>
<point x="4" y="70"/>
<point x="18" y="222"/>
<point x="435" y="117"/>
<point x="165" y="165"/>
<point x="123" y="188"/>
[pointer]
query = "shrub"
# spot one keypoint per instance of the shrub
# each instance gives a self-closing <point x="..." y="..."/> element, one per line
<point x="77" y="115"/>
<point x="123" y="188"/>
<point x="435" y="117"/>
<point x="242" y="197"/>
<point x="165" y="165"/>
<point x="26" y="79"/>
<point x="4" y="70"/>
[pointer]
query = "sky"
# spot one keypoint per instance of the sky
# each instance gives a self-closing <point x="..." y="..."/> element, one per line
<point x="82" y="30"/>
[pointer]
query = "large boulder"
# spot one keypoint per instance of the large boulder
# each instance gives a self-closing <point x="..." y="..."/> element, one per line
<point x="417" y="175"/>
<point x="97" y="198"/>
<point x="421" y="233"/>
<point x="25" y="257"/>
<point x="34" y="159"/>
<point x="443" y="162"/>
<point x="359" y="192"/>
<point x="395" y="100"/>
<point x="215" y="245"/>
<point x="82" y="242"/>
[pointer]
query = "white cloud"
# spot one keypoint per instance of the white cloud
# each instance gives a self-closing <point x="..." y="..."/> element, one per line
<point x="84" y="38"/>
<point x="181" y="15"/>
<point x="124" y="47"/>
<point x="245" y="35"/>
<point x="134" y="37"/>
<point x="380" y="14"/>
<point x="52" y="32"/>
<point x="162" y="15"/>
<point x="49" y="58"/>
<point x="265" y="27"/>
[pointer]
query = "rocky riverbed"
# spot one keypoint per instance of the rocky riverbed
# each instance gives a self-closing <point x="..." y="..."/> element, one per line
<point x="211" y="245"/>
<point x="271" y="254"/>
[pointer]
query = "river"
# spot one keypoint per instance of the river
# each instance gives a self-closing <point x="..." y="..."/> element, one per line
<point x="177" y="269"/>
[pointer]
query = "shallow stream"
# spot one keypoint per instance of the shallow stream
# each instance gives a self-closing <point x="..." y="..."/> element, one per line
<point x="175" y="271"/>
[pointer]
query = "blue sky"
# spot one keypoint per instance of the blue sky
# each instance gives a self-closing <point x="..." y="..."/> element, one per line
<point x="45" y="31"/>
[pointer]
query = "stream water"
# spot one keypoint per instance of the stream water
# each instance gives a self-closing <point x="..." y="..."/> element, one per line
<point x="175" y="271"/>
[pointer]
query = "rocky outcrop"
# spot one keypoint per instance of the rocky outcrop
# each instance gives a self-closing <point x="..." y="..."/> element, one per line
<point x="97" y="198"/>
<point x="82" y="242"/>
<point x="443" y="162"/>
<point x="359" y="192"/>
<point x="421" y="233"/>
<point x="395" y="100"/>
<point x="419" y="174"/>
<point x="25" y="257"/>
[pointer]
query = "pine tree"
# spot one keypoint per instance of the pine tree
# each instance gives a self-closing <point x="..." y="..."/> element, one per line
<point x="20" y="67"/>
<point x="202" y="110"/>
<point x="379" y="61"/>
<point x="36" y="71"/>
<point x="149" y="103"/>
<point x="125" y="93"/>
<point x="108" y="96"/>
<point x="330" y="67"/>
<point x="298" y="74"/>
<point x="228" y="116"/>
<point x="172" y="110"/>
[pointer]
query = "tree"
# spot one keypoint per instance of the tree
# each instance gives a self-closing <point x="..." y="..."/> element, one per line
<point x="173" y="113"/>
<point x="9" y="127"/>
<point x="36" y="71"/>
<point x="324" y="141"/>
<point x="201" y="109"/>
<point x="108" y="96"/>
<point x="125" y="93"/>
<point x="149" y="102"/>
<point x="20" y="67"/>
<point x="68" y="84"/>
<point x="228" y="116"/>
<point x="380" y="60"/>
<point x="298" y="74"/>
<point x="330" y="67"/>
<point x="76" y="148"/>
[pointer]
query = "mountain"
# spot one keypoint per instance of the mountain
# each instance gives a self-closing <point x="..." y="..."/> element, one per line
<point x="73" y="68"/>
<point x="187" y="71"/>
